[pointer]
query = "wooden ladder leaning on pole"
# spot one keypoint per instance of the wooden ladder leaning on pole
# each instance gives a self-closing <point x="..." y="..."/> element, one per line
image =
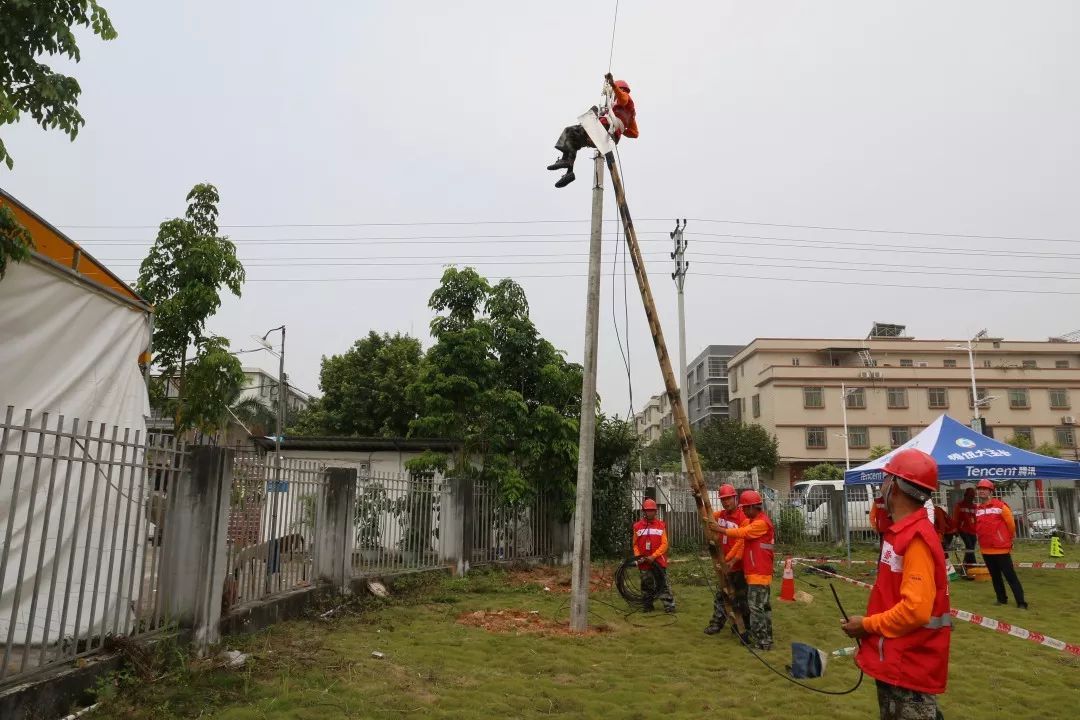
<point x="682" y="423"/>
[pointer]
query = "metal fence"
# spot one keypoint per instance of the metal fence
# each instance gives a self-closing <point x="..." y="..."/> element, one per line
<point x="504" y="531"/>
<point x="677" y="507"/>
<point x="398" y="522"/>
<point x="272" y="525"/>
<point x="82" y="536"/>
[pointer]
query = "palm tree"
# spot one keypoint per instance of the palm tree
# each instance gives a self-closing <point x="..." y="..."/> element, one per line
<point x="253" y="413"/>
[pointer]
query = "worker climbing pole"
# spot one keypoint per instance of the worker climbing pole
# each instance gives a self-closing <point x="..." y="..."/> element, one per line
<point x="602" y="128"/>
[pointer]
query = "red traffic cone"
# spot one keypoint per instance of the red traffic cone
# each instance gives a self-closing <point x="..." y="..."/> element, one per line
<point x="787" y="587"/>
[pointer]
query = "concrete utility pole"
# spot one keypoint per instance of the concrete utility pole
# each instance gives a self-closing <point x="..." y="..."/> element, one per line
<point x="679" y="276"/>
<point x="579" y="581"/>
<point x="274" y="551"/>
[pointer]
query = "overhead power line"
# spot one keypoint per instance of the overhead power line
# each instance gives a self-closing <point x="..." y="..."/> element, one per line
<point x="386" y="278"/>
<point x="449" y="223"/>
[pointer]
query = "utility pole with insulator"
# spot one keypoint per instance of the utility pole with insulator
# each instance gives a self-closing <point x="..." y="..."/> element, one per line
<point x="679" y="276"/>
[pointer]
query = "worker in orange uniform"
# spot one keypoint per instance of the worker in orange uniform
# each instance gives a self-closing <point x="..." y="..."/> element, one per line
<point x="650" y="549"/>
<point x="730" y="516"/>
<point x="996" y="528"/>
<point x="944" y="525"/>
<point x="573" y="138"/>
<point x="964" y="517"/>
<point x="904" y="636"/>
<point x="757" y="536"/>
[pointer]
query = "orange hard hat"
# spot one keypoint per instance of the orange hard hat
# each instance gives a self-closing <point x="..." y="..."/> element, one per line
<point x="914" y="466"/>
<point x="727" y="490"/>
<point x="749" y="497"/>
<point x="984" y="483"/>
<point x="649" y="504"/>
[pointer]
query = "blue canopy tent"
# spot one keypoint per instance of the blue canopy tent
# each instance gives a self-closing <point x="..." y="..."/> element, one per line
<point x="965" y="455"/>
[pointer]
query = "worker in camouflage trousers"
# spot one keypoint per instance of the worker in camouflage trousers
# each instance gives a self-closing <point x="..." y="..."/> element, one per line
<point x="650" y="549"/>
<point x="730" y="516"/>
<point x="757" y="536"/>
<point x="621" y="121"/>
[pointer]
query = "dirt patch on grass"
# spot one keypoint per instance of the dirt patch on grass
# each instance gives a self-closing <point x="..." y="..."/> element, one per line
<point x="557" y="580"/>
<point x="522" y="622"/>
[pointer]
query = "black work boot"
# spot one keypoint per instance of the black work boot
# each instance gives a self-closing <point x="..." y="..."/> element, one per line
<point x="713" y="628"/>
<point x="565" y="179"/>
<point x="563" y="163"/>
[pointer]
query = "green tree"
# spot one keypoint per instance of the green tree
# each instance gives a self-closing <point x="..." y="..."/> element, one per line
<point x="182" y="277"/>
<point x="31" y="30"/>
<point x="613" y="511"/>
<point x="364" y="389"/>
<point x="878" y="451"/>
<point x="1021" y="441"/>
<point x="1049" y="450"/>
<point x="494" y="385"/>
<point x="824" y="472"/>
<point x="16" y="242"/>
<point x="664" y="452"/>
<point x="214" y="382"/>
<point x="732" y="445"/>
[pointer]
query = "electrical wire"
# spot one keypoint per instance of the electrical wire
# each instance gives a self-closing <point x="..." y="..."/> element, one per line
<point x="614" y="23"/>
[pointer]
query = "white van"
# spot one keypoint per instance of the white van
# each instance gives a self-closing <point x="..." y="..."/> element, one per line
<point x="812" y="497"/>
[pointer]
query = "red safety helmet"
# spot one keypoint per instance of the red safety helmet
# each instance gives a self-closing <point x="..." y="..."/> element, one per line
<point x="984" y="483"/>
<point x="727" y="490"/>
<point x="749" y="497"/>
<point x="649" y="504"/>
<point x="622" y="85"/>
<point x="916" y="467"/>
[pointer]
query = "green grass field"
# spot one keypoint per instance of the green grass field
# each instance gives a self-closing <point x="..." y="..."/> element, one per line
<point x="639" y="667"/>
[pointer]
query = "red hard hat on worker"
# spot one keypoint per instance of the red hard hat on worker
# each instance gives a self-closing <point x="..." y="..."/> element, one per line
<point x="984" y="483"/>
<point x="914" y="466"/>
<point x="622" y="85"/>
<point x="649" y="504"/>
<point x="727" y="491"/>
<point x="749" y="497"/>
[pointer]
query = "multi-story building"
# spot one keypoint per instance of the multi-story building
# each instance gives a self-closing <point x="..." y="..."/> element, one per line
<point x="654" y="418"/>
<point x="707" y="392"/>
<point x="893" y="386"/>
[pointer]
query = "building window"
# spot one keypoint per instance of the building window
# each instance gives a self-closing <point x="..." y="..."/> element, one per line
<point x="899" y="435"/>
<point x="1029" y="364"/>
<point x="984" y="394"/>
<point x="813" y="397"/>
<point x="795" y="361"/>
<point x="906" y="362"/>
<point x="858" y="436"/>
<point x="938" y="397"/>
<point x="735" y="409"/>
<point x="816" y="438"/>
<point x="717" y="367"/>
<point x="1018" y="398"/>
<point x="986" y="363"/>
<point x="950" y="363"/>
<point x="690" y="379"/>
<point x="1064" y="437"/>
<point x="733" y="382"/>
<point x="718" y="395"/>
<point x="897" y="397"/>
<point x="856" y="399"/>
<point x="1061" y="363"/>
<point x="755" y="404"/>
<point x="1024" y="432"/>
<point x="1059" y="399"/>
<point x="700" y="371"/>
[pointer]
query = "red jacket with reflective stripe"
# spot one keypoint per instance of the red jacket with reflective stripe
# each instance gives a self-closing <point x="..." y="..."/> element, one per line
<point x="758" y="552"/>
<point x="964" y="515"/>
<point x="730" y="519"/>
<point x="650" y="537"/>
<point x="990" y="526"/>
<point x="917" y="661"/>
<point x="879" y="517"/>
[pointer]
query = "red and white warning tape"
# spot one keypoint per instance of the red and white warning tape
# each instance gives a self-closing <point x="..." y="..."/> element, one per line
<point x="1003" y="627"/>
<point x="1050" y="565"/>
<point x="982" y="621"/>
<point x="846" y="579"/>
<point x="831" y="561"/>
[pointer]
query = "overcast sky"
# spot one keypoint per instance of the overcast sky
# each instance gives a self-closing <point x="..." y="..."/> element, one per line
<point x="954" y="117"/>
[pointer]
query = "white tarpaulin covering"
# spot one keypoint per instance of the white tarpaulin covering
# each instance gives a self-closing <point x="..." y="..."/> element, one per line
<point x="67" y="348"/>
